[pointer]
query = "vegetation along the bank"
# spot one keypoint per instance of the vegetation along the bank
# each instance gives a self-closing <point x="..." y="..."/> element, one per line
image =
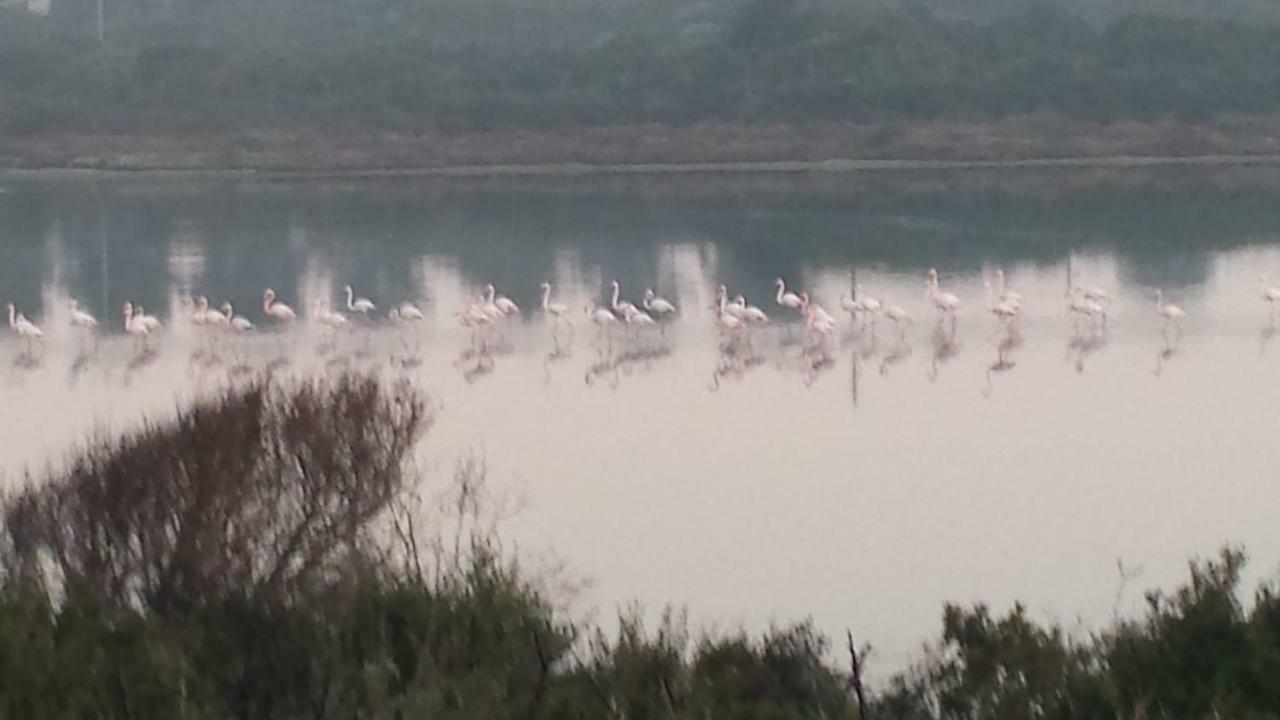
<point x="270" y="553"/>
<point x="469" y="65"/>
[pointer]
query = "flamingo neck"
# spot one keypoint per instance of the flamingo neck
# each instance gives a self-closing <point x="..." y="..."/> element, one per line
<point x="267" y="303"/>
<point x="350" y="297"/>
<point x="616" y="291"/>
<point x="782" y="289"/>
<point x="492" y="292"/>
<point x="546" y="297"/>
<point x="229" y="311"/>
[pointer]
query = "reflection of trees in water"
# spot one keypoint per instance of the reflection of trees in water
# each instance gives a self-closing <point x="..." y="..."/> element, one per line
<point x="1009" y="341"/>
<point x="255" y="235"/>
<point x="638" y="350"/>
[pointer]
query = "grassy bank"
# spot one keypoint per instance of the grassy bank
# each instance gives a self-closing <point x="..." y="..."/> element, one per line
<point x="1025" y="140"/>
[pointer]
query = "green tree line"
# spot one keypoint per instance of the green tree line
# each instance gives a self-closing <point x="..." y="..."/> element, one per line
<point x="350" y="66"/>
<point x="271" y="553"/>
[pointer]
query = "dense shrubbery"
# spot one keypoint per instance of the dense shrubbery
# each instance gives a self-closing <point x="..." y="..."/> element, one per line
<point x="266" y="555"/>
<point x="465" y="65"/>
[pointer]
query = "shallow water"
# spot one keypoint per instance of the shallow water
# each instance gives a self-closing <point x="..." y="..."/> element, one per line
<point x="862" y="480"/>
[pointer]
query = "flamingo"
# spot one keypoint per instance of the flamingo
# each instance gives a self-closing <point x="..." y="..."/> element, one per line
<point x="206" y="316"/>
<point x="725" y="321"/>
<point x="25" y="328"/>
<point x="364" y="306"/>
<point x="787" y="299"/>
<point x="557" y="310"/>
<point x="150" y="321"/>
<point x="502" y="302"/>
<point x="80" y="318"/>
<point x="813" y="310"/>
<point x="1007" y="295"/>
<point x="1079" y="304"/>
<point x="324" y="316"/>
<point x="734" y="308"/>
<point x="134" y="326"/>
<point x="475" y="317"/>
<point x="660" y="307"/>
<point x="869" y="304"/>
<point x="639" y="317"/>
<point x="406" y="312"/>
<point x="1004" y="310"/>
<point x="277" y="311"/>
<point x="896" y="315"/>
<point x="621" y="309"/>
<point x="601" y="316"/>
<point x="946" y="303"/>
<point x="603" y="319"/>
<point x="238" y="323"/>
<point x="1170" y="313"/>
<point x="1095" y="293"/>
<point x="750" y="313"/>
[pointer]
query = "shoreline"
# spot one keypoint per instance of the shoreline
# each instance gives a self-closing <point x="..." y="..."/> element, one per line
<point x="1010" y="143"/>
<point x="834" y="166"/>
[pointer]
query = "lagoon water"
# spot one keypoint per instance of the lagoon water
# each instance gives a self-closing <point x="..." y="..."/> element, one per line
<point x="864" y="489"/>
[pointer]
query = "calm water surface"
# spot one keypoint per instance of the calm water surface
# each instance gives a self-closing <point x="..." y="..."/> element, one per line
<point x="863" y="485"/>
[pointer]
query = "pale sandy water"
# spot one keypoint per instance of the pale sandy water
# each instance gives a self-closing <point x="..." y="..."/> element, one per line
<point x="864" y="494"/>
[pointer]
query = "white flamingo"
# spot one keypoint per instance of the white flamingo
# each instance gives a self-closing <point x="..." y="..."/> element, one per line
<point x="502" y="302"/>
<point x="1007" y="295"/>
<point x="869" y="304"/>
<point x="406" y="312"/>
<point x="80" y="318"/>
<point x="751" y="313"/>
<point x="1094" y="293"/>
<point x="946" y="303"/>
<point x="558" y="311"/>
<point x="1080" y="305"/>
<point x="786" y="299"/>
<point x="488" y="306"/>
<point x="475" y="316"/>
<point x="897" y="315"/>
<point x="601" y="316"/>
<point x="204" y="315"/>
<point x="815" y="312"/>
<point x="134" y="326"/>
<point x="1006" y="312"/>
<point x="150" y="321"/>
<point x="25" y="328"/>
<point x="659" y="307"/>
<point x="325" y="316"/>
<point x="620" y="308"/>
<point x="238" y="323"/>
<point x="734" y="308"/>
<point x="364" y="306"/>
<point x="725" y="321"/>
<point x="640" y="318"/>
<point x="276" y="310"/>
<point x="817" y="320"/>
<point x="1170" y="313"/>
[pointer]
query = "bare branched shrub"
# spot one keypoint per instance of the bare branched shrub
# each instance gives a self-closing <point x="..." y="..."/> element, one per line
<point x="263" y="490"/>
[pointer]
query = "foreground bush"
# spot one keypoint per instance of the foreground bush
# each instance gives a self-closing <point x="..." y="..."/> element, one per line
<point x="266" y="554"/>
